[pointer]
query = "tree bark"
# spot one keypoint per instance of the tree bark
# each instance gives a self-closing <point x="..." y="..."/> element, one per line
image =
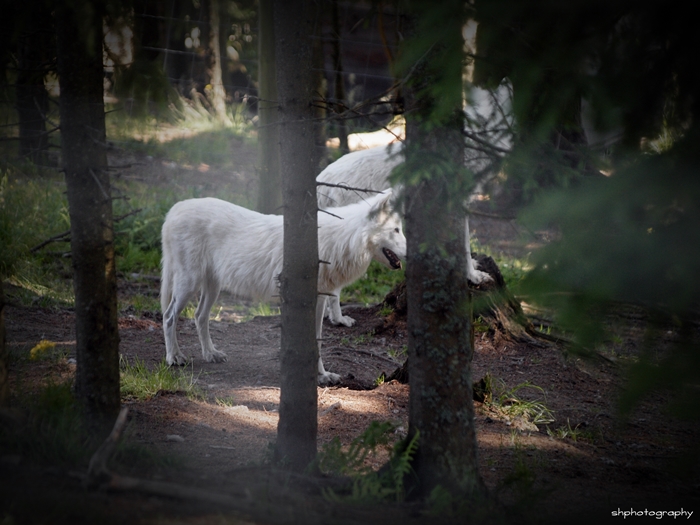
<point x="440" y="345"/>
<point x="217" y="94"/>
<point x="339" y="81"/>
<point x="79" y="40"/>
<point x="298" y="424"/>
<point x="4" y="355"/>
<point x="270" y="193"/>
<point x="33" y="50"/>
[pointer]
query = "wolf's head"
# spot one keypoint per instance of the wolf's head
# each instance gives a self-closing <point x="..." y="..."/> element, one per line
<point x="387" y="240"/>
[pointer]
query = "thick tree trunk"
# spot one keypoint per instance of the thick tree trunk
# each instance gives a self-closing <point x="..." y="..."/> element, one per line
<point x="79" y="39"/>
<point x="270" y="196"/>
<point x="298" y="425"/>
<point x="439" y="305"/>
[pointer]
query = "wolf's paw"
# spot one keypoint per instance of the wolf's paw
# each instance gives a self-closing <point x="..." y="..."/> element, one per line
<point x="478" y="277"/>
<point x="328" y="378"/>
<point x="215" y="356"/>
<point x="342" y="320"/>
<point x="176" y="360"/>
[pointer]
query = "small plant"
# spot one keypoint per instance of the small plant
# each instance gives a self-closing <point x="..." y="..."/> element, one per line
<point x="369" y="486"/>
<point x="41" y="350"/>
<point x="264" y="310"/>
<point x="565" y="432"/>
<point x="480" y="326"/>
<point x="138" y="382"/>
<point x="385" y="311"/>
<point x="398" y="354"/>
<point x="510" y="404"/>
<point x="226" y="402"/>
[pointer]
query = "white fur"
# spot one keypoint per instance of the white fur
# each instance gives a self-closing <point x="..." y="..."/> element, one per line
<point x="370" y="169"/>
<point x="211" y="245"/>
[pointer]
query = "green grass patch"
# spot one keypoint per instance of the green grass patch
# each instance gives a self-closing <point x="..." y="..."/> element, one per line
<point x="188" y="136"/>
<point x="509" y="402"/>
<point x="371" y="289"/>
<point x="33" y="208"/>
<point x="142" y="383"/>
<point x="51" y="428"/>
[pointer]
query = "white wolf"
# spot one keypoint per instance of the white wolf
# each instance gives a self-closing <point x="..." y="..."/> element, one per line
<point x="211" y="245"/>
<point x="369" y="169"/>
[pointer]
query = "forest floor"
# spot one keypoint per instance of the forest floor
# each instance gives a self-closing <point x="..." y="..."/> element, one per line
<point x="583" y="466"/>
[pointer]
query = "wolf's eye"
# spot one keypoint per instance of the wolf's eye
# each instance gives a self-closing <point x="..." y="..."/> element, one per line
<point x="396" y="230"/>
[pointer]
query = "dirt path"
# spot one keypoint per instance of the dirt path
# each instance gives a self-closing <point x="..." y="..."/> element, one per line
<point x="608" y="465"/>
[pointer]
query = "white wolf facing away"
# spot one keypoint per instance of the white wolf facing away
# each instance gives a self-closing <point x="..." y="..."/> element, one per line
<point x="369" y="169"/>
<point x="211" y="245"/>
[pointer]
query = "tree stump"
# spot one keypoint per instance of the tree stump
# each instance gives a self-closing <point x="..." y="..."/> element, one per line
<point x="495" y="311"/>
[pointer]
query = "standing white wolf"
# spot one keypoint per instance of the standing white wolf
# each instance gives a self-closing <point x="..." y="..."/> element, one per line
<point x="211" y="245"/>
<point x="369" y="169"/>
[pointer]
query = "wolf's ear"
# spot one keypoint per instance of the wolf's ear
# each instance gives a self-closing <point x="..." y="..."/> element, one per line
<point x="384" y="202"/>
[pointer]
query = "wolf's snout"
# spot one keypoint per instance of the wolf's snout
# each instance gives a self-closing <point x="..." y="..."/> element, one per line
<point x="393" y="259"/>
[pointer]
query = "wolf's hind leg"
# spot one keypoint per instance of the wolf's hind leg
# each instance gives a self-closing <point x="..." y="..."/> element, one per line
<point x="173" y="354"/>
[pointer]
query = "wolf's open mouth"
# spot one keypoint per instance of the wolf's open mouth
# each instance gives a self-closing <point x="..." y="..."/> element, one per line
<point x="393" y="259"/>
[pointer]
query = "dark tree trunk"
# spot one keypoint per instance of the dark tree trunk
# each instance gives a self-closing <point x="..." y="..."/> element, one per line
<point x="297" y="429"/>
<point x="270" y="196"/>
<point x="498" y="310"/>
<point x="79" y="40"/>
<point x="339" y="81"/>
<point x="4" y="356"/>
<point x="34" y="52"/>
<point x="439" y="305"/>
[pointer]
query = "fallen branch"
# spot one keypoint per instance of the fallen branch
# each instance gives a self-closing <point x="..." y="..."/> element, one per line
<point x="346" y="187"/>
<point x="61" y="237"/>
<point x="97" y="469"/>
<point x="99" y="476"/>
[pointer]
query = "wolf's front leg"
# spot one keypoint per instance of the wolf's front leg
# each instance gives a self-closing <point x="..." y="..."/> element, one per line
<point x="335" y="314"/>
<point x="201" y="320"/>
<point x="474" y="275"/>
<point x="324" y="378"/>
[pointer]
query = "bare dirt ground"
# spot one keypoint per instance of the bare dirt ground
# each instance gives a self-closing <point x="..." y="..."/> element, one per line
<point x="222" y="441"/>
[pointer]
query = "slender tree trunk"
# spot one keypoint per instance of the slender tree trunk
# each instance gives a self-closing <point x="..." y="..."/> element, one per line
<point x="217" y="94"/>
<point x="339" y="83"/>
<point x="270" y="196"/>
<point x="297" y="429"/>
<point x="34" y="46"/>
<point x="4" y="355"/>
<point x="438" y="299"/>
<point x="79" y="40"/>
